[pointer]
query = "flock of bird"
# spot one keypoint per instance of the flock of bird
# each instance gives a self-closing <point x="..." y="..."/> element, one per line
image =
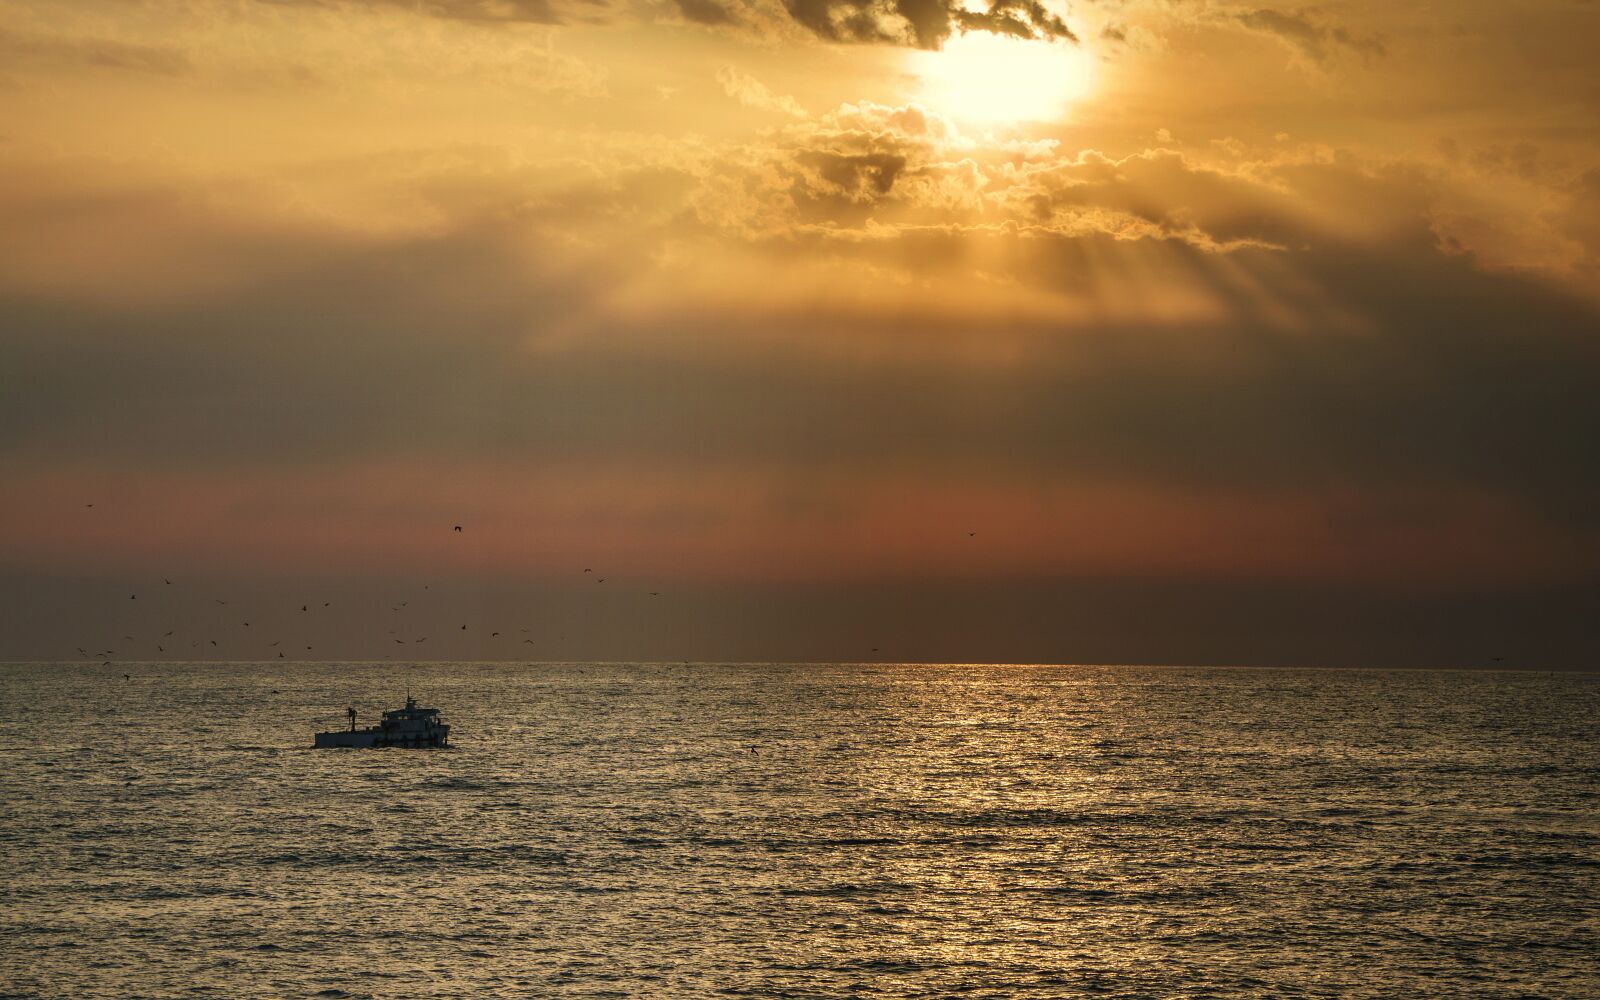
<point x="170" y="636"/>
<point x="277" y="647"/>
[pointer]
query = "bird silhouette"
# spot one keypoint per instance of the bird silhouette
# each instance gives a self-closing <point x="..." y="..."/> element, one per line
<point x="303" y="607"/>
<point x="655" y="593"/>
<point x="972" y="534"/>
<point x="166" y="633"/>
<point x="494" y="635"/>
<point x="588" y="571"/>
<point x="528" y="641"/>
<point x="219" y="602"/>
<point x="88" y="505"/>
<point x="458" y="527"/>
<point x="280" y="656"/>
<point x="133" y="597"/>
<point x="601" y="580"/>
<point x="463" y="628"/>
<point x="213" y="642"/>
<point x="166" y="581"/>
<point x="271" y="644"/>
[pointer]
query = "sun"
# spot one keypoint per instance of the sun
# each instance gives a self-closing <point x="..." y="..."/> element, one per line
<point x="986" y="79"/>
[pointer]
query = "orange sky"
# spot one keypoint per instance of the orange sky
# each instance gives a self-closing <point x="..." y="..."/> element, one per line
<point x="1205" y="298"/>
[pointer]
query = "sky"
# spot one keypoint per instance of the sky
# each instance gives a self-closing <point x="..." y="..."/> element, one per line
<point x="1171" y="331"/>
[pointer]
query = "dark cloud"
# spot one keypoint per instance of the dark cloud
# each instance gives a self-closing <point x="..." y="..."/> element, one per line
<point x="923" y="23"/>
<point x="705" y="12"/>
<point x="1311" y="38"/>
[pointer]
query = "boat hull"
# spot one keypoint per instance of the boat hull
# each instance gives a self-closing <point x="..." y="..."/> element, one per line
<point x="433" y="738"/>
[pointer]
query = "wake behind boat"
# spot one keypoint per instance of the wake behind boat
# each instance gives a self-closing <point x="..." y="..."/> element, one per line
<point x="403" y="727"/>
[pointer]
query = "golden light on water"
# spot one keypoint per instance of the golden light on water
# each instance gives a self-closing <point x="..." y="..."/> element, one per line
<point x="981" y="78"/>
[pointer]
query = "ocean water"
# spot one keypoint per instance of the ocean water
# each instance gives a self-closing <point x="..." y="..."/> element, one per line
<point x="800" y="831"/>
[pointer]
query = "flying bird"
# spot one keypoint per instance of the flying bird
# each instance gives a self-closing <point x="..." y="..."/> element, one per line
<point x="458" y="527"/>
<point x="166" y="581"/>
<point x="133" y="597"/>
<point x="528" y="641"/>
<point x="303" y="607"/>
<point x="588" y="571"/>
<point x="463" y="628"/>
<point x="493" y="634"/>
<point x="165" y="634"/>
<point x="213" y="642"/>
<point x="219" y="602"/>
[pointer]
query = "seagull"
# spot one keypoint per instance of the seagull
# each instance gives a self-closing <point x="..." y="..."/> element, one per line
<point x="588" y="571"/>
<point x="133" y="597"/>
<point x="655" y="593"/>
<point x="528" y="641"/>
<point x="458" y="527"/>
<point x="401" y="641"/>
<point x="972" y="534"/>
<point x="213" y="642"/>
<point x="493" y="635"/>
<point x="463" y="628"/>
<point x="88" y="505"/>
<point x="165" y="634"/>
<point x="601" y="580"/>
<point x="219" y="602"/>
<point x="302" y="607"/>
<point x="246" y="624"/>
<point x="166" y="581"/>
<point x="127" y="677"/>
<point x="327" y="604"/>
<point x="280" y="656"/>
<point x="271" y="644"/>
<point x="161" y="649"/>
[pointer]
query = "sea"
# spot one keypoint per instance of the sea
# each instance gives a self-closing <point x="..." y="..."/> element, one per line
<point x="800" y="831"/>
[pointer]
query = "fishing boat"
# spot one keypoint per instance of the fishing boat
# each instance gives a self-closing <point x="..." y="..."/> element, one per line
<point x="403" y="727"/>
